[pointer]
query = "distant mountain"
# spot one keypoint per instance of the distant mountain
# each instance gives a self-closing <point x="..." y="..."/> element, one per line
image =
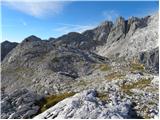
<point x="6" y="47"/>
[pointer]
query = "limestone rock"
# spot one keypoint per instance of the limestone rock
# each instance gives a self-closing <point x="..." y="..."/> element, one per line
<point x="86" y="105"/>
<point x="16" y="105"/>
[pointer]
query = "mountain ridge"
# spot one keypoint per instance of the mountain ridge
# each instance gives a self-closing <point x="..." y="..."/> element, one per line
<point x="118" y="59"/>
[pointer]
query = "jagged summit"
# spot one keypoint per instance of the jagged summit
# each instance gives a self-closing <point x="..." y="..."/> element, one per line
<point x="119" y="21"/>
<point x="31" y="39"/>
<point x="106" y="23"/>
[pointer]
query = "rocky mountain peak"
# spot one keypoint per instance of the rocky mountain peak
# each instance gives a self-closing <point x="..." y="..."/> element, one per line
<point x="119" y="21"/>
<point x="133" y="19"/>
<point x="6" y="47"/>
<point x="6" y="42"/>
<point x="106" y="24"/>
<point x="104" y="27"/>
<point x="31" y="39"/>
<point x="71" y="35"/>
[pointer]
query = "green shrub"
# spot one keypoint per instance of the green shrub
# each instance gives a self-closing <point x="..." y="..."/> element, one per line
<point x="50" y="101"/>
<point x="103" y="96"/>
<point x="139" y="84"/>
<point x="114" y="75"/>
<point x="104" y="67"/>
<point x="137" y="67"/>
<point x="81" y="83"/>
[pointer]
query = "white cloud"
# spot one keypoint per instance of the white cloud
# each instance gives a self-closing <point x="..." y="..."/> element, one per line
<point x="66" y="28"/>
<point x="39" y="9"/>
<point x="110" y="15"/>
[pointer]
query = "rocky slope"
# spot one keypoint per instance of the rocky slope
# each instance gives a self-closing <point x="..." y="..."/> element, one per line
<point x="87" y="105"/>
<point x="120" y="61"/>
<point x="37" y="64"/>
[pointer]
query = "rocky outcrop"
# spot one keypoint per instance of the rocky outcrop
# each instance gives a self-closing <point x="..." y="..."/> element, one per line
<point x="150" y="59"/>
<point x="75" y="40"/>
<point x="89" y="39"/>
<point x="129" y="37"/>
<point x="19" y="104"/>
<point x="6" y="47"/>
<point x="100" y="33"/>
<point x="87" y="105"/>
<point x="118" y="30"/>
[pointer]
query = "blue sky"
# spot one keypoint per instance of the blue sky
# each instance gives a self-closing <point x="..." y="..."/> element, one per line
<point x="53" y="19"/>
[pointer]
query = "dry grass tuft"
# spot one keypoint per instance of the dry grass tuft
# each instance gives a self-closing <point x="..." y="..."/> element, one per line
<point x="50" y="101"/>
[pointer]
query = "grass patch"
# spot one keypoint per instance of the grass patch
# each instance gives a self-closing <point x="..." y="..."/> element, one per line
<point x="115" y="75"/>
<point x="81" y="83"/>
<point x="139" y="84"/>
<point x="137" y="67"/>
<point x="50" y="101"/>
<point x="151" y="103"/>
<point x="145" y="110"/>
<point x="22" y="69"/>
<point x="103" y="96"/>
<point x="104" y="67"/>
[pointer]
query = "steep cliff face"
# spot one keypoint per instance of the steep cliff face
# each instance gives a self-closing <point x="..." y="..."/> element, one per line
<point x="100" y="33"/>
<point x="150" y="59"/>
<point x="128" y="38"/>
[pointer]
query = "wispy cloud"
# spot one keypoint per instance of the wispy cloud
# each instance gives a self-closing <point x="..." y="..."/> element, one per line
<point x="66" y="28"/>
<point x="35" y="8"/>
<point x="110" y="14"/>
<point x="24" y="23"/>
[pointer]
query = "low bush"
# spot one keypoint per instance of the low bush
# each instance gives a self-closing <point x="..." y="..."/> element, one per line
<point x="114" y="75"/>
<point x="104" y="67"/>
<point x="103" y="96"/>
<point x="137" y="67"/>
<point x="139" y="84"/>
<point x="50" y="101"/>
